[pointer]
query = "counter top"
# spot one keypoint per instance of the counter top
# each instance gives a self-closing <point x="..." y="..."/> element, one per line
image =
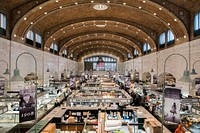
<point x="59" y="112"/>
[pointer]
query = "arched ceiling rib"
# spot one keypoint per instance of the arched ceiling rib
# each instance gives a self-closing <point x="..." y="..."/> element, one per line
<point x="131" y="22"/>
<point x="70" y="10"/>
<point x="100" y="49"/>
<point x="94" y="26"/>
<point x="99" y="36"/>
<point x="100" y="44"/>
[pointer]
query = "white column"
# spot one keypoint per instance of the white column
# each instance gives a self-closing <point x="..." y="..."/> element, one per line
<point x="152" y="73"/>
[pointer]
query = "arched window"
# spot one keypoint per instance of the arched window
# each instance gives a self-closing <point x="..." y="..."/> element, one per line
<point x="162" y="40"/>
<point x="100" y="63"/>
<point x="54" y="48"/>
<point x="197" y="24"/>
<point x="135" y="53"/>
<point x="170" y="37"/>
<point x="64" y="53"/>
<point x="2" y="24"/>
<point x="129" y="56"/>
<point x="146" y="48"/>
<point x="166" y="38"/>
<point x="38" y="40"/>
<point x="30" y="37"/>
<point x="71" y="55"/>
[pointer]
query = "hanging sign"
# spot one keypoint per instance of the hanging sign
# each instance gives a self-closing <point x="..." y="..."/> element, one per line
<point x="27" y="103"/>
<point x="172" y="104"/>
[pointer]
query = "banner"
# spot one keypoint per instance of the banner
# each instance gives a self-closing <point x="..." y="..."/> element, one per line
<point x="172" y="104"/>
<point x="2" y="86"/>
<point x="197" y="86"/>
<point x="27" y="103"/>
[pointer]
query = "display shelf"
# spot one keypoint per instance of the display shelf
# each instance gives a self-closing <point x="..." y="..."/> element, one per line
<point x="45" y="104"/>
<point x="64" y="112"/>
<point x="94" y="97"/>
<point x="3" y="109"/>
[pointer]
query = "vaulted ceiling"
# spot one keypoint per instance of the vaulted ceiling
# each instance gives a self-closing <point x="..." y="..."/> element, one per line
<point x="90" y="26"/>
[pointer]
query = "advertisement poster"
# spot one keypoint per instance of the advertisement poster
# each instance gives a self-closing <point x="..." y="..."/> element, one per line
<point x="2" y="85"/>
<point x="27" y="103"/>
<point x="172" y="104"/>
<point x="72" y="83"/>
<point x="197" y="86"/>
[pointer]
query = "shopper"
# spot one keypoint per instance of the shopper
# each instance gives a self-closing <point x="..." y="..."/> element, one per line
<point x="57" y="104"/>
<point x="180" y="129"/>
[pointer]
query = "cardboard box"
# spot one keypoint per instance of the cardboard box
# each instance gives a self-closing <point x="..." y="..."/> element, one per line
<point x="154" y="126"/>
<point x="50" y="128"/>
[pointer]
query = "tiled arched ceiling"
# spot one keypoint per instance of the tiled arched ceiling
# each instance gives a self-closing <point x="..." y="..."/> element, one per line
<point x="138" y="21"/>
<point x="100" y="44"/>
<point x="98" y="37"/>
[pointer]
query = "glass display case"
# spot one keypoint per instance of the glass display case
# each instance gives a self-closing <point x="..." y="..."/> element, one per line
<point x="95" y="97"/>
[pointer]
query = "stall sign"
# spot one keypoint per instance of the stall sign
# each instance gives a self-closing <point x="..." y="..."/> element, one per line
<point x="190" y="100"/>
<point x="27" y="103"/>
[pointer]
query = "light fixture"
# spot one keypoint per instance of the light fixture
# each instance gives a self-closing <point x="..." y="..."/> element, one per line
<point x="100" y="7"/>
<point x="152" y="70"/>
<point x="7" y="71"/>
<point x="17" y="77"/>
<point x="100" y="25"/>
<point x="185" y="78"/>
<point x="48" y="70"/>
<point x="193" y="70"/>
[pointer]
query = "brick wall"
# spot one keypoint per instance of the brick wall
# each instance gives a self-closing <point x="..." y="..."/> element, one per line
<point x="10" y="50"/>
<point x="175" y="64"/>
